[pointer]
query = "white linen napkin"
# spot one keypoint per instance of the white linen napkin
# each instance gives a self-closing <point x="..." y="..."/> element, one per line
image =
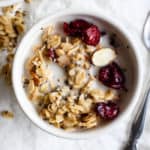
<point x="31" y="138"/>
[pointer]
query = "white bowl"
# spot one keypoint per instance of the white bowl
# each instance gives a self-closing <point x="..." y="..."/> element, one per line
<point x="8" y="2"/>
<point x="130" y="57"/>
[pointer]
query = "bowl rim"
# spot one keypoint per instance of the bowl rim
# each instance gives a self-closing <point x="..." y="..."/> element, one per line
<point x="112" y="20"/>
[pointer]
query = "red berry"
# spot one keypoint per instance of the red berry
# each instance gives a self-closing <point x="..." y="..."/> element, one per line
<point x="51" y="54"/>
<point x="91" y="35"/>
<point x="76" y="27"/>
<point x="112" y="76"/>
<point x="80" y="24"/>
<point x="108" y="111"/>
<point x="71" y="31"/>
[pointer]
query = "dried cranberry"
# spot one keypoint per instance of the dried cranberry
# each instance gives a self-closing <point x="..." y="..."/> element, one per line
<point x="71" y="31"/>
<point x="91" y="35"/>
<point x="108" y="111"/>
<point x="76" y="27"/>
<point x="112" y="76"/>
<point x="68" y="30"/>
<point x="80" y="24"/>
<point x="51" y="54"/>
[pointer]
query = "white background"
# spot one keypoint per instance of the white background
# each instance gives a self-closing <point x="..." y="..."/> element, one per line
<point x="21" y="134"/>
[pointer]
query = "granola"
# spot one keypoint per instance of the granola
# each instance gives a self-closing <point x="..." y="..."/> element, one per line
<point x="69" y="105"/>
<point x="11" y="28"/>
<point x="7" y="114"/>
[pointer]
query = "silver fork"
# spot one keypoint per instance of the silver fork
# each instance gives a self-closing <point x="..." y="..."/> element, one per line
<point x="138" y="124"/>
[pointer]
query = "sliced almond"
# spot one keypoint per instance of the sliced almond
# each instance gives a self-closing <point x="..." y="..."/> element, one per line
<point x="103" y="57"/>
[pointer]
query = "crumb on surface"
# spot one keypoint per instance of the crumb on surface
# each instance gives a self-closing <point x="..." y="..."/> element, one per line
<point x="28" y="1"/>
<point x="7" y="114"/>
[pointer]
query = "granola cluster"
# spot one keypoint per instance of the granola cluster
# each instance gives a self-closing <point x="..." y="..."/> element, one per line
<point x="70" y="104"/>
<point x="11" y="27"/>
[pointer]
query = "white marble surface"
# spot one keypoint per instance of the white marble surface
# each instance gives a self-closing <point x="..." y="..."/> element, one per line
<point x="21" y="134"/>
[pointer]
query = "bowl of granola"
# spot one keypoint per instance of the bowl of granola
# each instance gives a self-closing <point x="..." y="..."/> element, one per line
<point x="76" y="74"/>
